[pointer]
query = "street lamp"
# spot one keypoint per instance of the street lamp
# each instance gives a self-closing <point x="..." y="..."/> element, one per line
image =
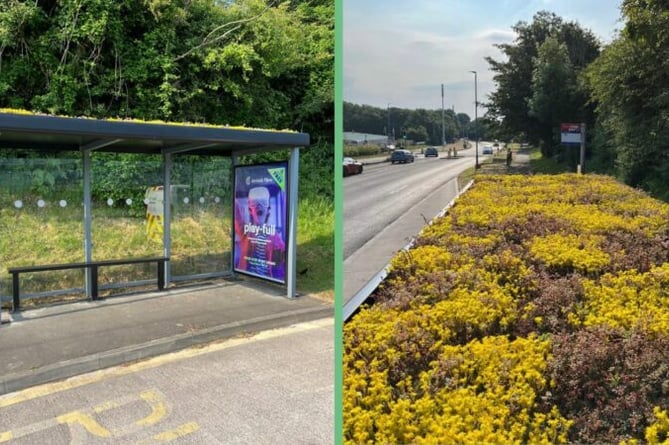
<point x="388" y="133"/>
<point x="476" y="124"/>
<point x="443" y="128"/>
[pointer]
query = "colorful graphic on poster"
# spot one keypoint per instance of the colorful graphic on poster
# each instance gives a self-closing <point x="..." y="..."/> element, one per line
<point x="260" y="220"/>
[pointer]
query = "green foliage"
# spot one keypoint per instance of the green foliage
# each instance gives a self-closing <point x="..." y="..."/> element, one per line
<point x="247" y="62"/>
<point x="545" y="165"/>
<point x="256" y="63"/>
<point x="361" y="150"/>
<point x="419" y="125"/>
<point x="28" y="174"/>
<point x="628" y="84"/>
<point x="418" y="133"/>
<point x="521" y="102"/>
<point x="555" y="73"/>
<point x="554" y="99"/>
<point x="317" y="172"/>
<point x="316" y="168"/>
<point x="315" y="239"/>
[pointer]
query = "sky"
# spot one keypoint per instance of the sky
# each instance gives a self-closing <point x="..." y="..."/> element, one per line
<point x="399" y="52"/>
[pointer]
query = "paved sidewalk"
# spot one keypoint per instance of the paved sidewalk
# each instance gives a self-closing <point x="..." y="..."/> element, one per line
<point x="56" y="342"/>
<point x="520" y="164"/>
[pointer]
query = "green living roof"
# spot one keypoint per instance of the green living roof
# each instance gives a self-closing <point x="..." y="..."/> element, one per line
<point x="22" y="129"/>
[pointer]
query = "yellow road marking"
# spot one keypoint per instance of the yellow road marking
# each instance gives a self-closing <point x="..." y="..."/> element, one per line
<point x="87" y="422"/>
<point x="176" y="433"/>
<point x="122" y="370"/>
<point x="106" y="406"/>
<point x="80" y="422"/>
<point x="158" y="408"/>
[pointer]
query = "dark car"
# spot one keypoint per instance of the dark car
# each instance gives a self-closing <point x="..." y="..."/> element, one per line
<point x="401" y="156"/>
<point x="431" y="151"/>
<point x="352" y="167"/>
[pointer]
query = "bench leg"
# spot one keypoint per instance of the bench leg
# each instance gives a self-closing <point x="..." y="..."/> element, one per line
<point x="94" y="282"/>
<point x="161" y="275"/>
<point x="16" y="301"/>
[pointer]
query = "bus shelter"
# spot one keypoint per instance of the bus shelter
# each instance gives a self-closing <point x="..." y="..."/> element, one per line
<point x="183" y="180"/>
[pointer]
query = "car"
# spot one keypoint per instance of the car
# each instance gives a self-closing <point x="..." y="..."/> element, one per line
<point x="401" y="156"/>
<point x="431" y="151"/>
<point x="487" y="150"/>
<point x="352" y="167"/>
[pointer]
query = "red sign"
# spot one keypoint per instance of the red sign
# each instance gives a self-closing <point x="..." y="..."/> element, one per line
<point x="570" y="133"/>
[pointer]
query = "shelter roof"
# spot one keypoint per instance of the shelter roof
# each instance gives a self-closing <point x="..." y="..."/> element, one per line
<point x="54" y="133"/>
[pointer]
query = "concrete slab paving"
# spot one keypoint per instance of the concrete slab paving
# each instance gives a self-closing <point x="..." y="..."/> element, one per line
<point x="51" y="343"/>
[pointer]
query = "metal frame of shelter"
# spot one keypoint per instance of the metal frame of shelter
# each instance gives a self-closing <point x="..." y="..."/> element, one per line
<point x="55" y="134"/>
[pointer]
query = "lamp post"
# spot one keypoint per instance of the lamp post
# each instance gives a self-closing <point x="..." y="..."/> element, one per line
<point x="388" y="134"/>
<point x="443" y="128"/>
<point x="476" y="124"/>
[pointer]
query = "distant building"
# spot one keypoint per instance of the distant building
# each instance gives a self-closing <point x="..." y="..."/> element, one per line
<point x="353" y="138"/>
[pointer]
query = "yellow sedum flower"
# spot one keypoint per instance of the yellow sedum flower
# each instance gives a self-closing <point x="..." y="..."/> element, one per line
<point x="657" y="432"/>
<point x="449" y="367"/>
<point x="571" y="252"/>
<point x="629" y="299"/>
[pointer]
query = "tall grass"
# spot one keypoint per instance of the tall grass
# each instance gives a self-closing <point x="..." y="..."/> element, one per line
<point x="201" y="234"/>
<point x="548" y="166"/>
<point x="201" y="243"/>
<point x="315" y="246"/>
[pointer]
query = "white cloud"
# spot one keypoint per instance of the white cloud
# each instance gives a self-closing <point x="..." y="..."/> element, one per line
<point x="406" y="68"/>
<point x="401" y="52"/>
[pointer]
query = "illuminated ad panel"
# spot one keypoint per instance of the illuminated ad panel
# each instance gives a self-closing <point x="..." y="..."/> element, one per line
<point x="260" y="220"/>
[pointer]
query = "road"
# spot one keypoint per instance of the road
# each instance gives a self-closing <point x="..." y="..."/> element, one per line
<point x="274" y="387"/>
<point x="387" y="205"/>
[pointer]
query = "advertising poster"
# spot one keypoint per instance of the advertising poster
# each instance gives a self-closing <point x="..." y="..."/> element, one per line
<point x="260" y="220"/>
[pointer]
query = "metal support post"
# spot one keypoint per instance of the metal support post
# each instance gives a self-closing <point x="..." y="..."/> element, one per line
<point x="167" y="217"/>
<point x="88" y="217"/>
<point x="291" y="260"/>
<point x="582" y="157"/>
<point x="234" y="161"/>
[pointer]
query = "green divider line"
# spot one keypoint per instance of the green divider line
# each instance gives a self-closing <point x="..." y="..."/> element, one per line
<point x="339" y="242"/>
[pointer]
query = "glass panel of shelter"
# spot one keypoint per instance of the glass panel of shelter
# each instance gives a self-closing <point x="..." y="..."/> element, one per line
<point x="200" y="216"/>
<point x="121" y="185"/>
<point x="41" y="222"/>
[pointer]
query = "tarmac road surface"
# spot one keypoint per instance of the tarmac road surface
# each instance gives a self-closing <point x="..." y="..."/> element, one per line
<point x="274" y="387"/>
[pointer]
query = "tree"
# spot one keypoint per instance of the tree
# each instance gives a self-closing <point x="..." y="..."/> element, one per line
<point x="255" y="63"/>
<point x="628" y="84"/>
<point x="243" y="62"/>
<point x="554" y="98"/>
<point x="509" y="104"/>
<point x="416" y="134"/>
<point x="425" y="124"/>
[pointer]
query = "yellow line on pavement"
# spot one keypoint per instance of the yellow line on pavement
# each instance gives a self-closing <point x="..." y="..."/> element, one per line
<point x="180" y="431"/>
<point x="158" y="408"/>
<point x="92" y="426"/>
<point x="122" y="370"/>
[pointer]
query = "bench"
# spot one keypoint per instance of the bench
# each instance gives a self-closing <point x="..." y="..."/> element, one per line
<point x="92" y="265"/>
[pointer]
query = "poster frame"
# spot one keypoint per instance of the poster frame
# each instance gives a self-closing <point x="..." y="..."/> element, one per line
<point x="248" y="169"/>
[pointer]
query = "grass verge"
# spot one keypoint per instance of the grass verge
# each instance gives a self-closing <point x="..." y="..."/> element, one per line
<point x="547" y="166"/>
